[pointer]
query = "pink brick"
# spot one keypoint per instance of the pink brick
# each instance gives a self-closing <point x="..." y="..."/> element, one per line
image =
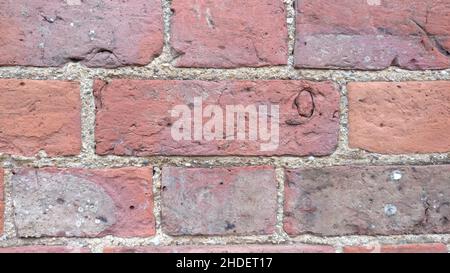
<point x="40" y="115"/>
<point x="225" y="249"/>
<point x="2" y="201"/>
<point x="400" y="118"/>
<point x="219" y="201"/>
<point x="43" y="249"/>
<point x="96" y="33"/>
<point x="408" y="248"/>
<point x="225" y="34"/>
<point x="308" y="122"/>
<point x="360" y="34"/>
<point x="367" y="200"/>
<point x="53" y="202"/>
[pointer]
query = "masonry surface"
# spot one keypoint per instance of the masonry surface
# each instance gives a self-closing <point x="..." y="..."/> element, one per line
<point x="88" y="163"/>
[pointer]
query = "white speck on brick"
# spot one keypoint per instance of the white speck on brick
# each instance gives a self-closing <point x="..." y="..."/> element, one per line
<point x="92" y="35"/>
<point x="390" y="210"/>
<point x="374" y="2"/>
<point x="73" y="2"/>
<point x="396" y="175"/>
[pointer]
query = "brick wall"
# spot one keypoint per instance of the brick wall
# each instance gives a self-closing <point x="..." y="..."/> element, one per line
<point x="88" y="162"/>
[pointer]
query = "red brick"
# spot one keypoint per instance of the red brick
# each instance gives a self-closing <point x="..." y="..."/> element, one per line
<point x="2" y="204"/>
<point x="410" y="248"/>
<point x="367" y="200"/>
<point x="398" y="118"/>
<point x="373" y="34"/>
<point x="225" y="249"/>
<point x="147" y="129"/>
<point x="219" y="201"/>
<point x="44" y="249"/>
<point x="40" y="115"/>
<point x="229" y="33"/>
<point x="52" y="202"/>
<point x="97" y="34"/>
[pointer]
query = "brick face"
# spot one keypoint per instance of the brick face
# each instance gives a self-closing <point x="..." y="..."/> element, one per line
<point x="409" y="248"/>
<point x="43" y="249"/>
<point x="40" y="115"/>
<point x="219" y="201"/>
<point x="367" y="200"/>
<point x="83" y="203"/>
<point x="229" y="33"/>
<point x="399" y="118"/>
<point x="226" y="249"/>
<point x="2" y="201"/>
<point x="310" y="128"/>
<point x="170" y="126"/>
<point x="412" y="34"/>
<point x="99" y="34"/>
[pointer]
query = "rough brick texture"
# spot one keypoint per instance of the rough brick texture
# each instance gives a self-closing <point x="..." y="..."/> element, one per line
<point x="362" y="200"/>
<point x="219" y="201"/>
<point x="95" y="33"/>
<point x="225" y="34"/>
<point x="373" y="34"/>
<point x="44" y="249"/>
<point x="2" y="201"/>
<point x="409" y="248"/>
<point x="83" y="203"/>
<point x="224" y="99"/>
<point x="40" y="115"/>
<point x="225" y="249"/>
<point x="308" y="124"/>
<point x="396" y="118"/>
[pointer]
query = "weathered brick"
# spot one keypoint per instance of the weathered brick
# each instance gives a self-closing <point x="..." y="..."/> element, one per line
<point x="396" y="118"/>
<point x="226" y="34"/>
<point x="44" y="249"/>
<point x="2" y="204"/>
<point x="219" y="201"/>
<point x="373" y="34"/>
<point x="83" y="203"/>
<point x="408" y="248"/>
<point x="299" y="248"/>
<point x="371" y="200"/>
<point x="95" y="33"/>
<point x="309" y="116"/>
<point x="39" y="115"/>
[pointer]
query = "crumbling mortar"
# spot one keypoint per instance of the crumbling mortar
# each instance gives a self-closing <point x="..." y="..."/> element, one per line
<point x="290" y="21"/>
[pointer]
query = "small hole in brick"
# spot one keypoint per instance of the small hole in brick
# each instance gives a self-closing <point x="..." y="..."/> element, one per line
<point x="132" y="207"/>
<point x="164" y="188"/>
<point x="22" y="83"/>
<point x="60" y="201"/>
<point x="102" y="219"/>
<point x="221" y="183"/>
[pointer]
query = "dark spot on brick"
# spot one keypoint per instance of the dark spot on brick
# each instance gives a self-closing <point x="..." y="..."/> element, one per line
<point x="229" y="226"/>
<point x="102" y="219"/>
